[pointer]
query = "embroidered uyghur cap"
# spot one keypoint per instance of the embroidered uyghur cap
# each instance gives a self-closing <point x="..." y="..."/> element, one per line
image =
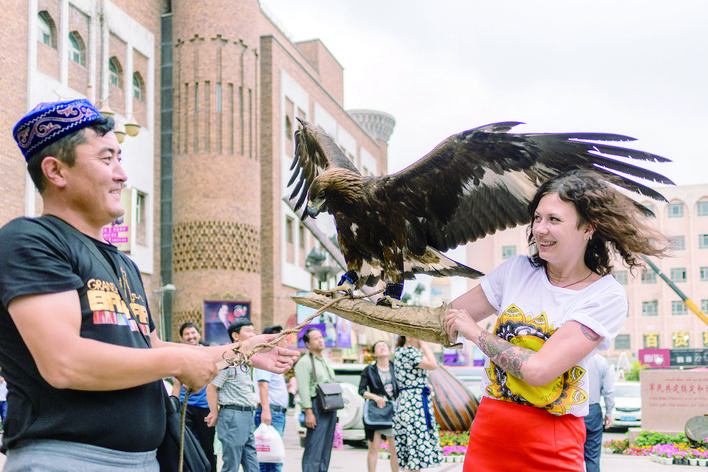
<point x="49" y="122"/>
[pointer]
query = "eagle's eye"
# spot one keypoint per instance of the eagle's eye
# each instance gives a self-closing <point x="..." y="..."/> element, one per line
<point x="321" y="194"/>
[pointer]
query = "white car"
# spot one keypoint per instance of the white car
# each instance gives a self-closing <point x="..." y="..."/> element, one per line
<point x="628" y="405"/>
<point x="350" y="417"/>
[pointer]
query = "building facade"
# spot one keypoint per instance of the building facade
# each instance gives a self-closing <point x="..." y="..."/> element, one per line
<point x="657" y="316"/>
<point x="217" y="97"/>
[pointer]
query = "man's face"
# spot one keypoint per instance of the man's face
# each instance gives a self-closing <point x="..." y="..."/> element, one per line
<point x="191" y="336"/>
<point x="92" y="186"/>
<point x="246" y="333"/>
<point x="317" y="342"/>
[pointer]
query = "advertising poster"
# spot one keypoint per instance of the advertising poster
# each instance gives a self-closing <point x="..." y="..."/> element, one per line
<point x="336" y="331"/>
<point x="218" y="315"/>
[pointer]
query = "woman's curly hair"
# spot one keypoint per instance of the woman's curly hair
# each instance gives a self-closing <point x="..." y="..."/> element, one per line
<point x="620" y="224"/>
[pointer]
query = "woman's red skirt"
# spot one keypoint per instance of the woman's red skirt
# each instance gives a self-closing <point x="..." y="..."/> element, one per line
<point x="506" y="436"/>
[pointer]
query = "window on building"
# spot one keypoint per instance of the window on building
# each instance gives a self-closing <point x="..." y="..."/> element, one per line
<point x="218" y="97"/>
<point x="288" y="128"/>
<point x="46" y="29"/>
<point x="704" y="274"/>
<point x="77" y="48"/>
<point x="289" y="230"/>
<point x="678" y="307"/>
<point x="702" y="241"/>
<point x="648" y="276"/>
<point x="702" y="208"/>
<point x="678" y="243"/>
<point x="675" y="210"/>
<point x="678" y="274"/>
<point x="622" y="277"/>
<point x="302" y="236"/>
<point x="622" y="341"/>
<point x="138" y="87"/>
<point x="115" y="72"/>
<point x="141" y="218"/>
<point x="508" y="252"/>
<point x="650" y="308"/>
<point x="704" y="305"/>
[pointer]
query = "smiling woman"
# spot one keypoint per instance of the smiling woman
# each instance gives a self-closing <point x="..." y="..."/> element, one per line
<point x="554" y="309"/>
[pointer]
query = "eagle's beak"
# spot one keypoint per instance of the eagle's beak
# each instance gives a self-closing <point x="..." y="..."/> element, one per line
<point x="313" y="211"/>
<point x="314" y="208"/>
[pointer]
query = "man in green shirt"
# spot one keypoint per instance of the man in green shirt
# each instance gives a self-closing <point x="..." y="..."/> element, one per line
<point x="320" y="424"/>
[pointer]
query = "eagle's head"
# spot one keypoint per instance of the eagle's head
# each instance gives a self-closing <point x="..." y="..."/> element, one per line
<point x="334" y="189"/>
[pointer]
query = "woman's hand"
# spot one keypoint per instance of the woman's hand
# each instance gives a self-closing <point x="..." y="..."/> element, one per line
<point x="459" y="321"/>
<point x="380" y="401"/>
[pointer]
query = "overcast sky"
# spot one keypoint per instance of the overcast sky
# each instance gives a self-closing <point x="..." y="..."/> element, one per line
<point x="638" y="68"/>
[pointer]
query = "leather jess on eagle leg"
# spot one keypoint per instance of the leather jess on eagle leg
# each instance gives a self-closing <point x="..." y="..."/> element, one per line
<point x="424" y="323"/>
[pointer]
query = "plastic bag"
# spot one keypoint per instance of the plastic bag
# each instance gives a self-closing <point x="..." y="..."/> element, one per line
<point x="269" y="444"/>
<point x="338" y="440"/>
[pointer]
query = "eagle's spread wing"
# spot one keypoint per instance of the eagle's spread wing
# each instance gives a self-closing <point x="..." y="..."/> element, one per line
<point x="315" y="152"/>
<point x="481" y="180"/>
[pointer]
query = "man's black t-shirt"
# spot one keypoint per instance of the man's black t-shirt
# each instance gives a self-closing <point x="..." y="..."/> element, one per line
<point x="39" y="256"/>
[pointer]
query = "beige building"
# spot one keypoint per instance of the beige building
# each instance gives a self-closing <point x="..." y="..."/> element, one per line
<point x="216" y="87"/>
<point x="657" y="317"/>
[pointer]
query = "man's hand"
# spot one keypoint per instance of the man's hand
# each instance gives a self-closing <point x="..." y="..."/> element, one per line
<point x="608" y="421"/>
<point x="211" y="418"/>
<point x="277" y="359"/>
<point x="266" y="417"/>
<point x="310" y="420"/>
<point x="198" y="368"/>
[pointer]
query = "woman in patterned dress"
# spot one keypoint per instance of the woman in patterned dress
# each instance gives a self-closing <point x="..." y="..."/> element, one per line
<point x="414" y="427"/>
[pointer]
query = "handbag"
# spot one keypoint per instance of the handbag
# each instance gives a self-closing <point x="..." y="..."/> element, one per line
<point x="168" y="453"/>
<point x="269" y="444"/>
<point x="195" y="460"/>
<point x="375" y="416"/>
<point x="328" y="394"/>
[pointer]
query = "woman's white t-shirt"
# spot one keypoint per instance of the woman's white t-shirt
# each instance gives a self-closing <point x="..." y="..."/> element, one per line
<point x="530" y="310"/>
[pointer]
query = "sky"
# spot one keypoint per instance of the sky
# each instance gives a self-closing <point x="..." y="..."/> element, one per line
<point x="637" y="68"/>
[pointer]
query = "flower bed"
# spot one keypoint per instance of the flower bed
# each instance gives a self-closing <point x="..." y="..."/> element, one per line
<point x="662" y="448"/>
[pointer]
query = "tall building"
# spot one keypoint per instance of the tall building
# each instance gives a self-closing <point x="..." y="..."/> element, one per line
<point x="657" y="316"/>
<point x="216" y="88"/>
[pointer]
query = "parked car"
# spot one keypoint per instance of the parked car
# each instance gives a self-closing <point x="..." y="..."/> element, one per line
<point x="470" y="376"/>
<point x="628" y="405"/>
<point x="350" y="417"/>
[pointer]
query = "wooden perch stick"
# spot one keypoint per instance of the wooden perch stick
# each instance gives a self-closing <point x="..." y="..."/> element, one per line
<point x="424" y="323"/>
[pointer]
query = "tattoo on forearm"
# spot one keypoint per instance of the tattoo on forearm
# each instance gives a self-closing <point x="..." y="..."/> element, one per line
<point x="588" y="333"/>
<point x="507" y="356"/>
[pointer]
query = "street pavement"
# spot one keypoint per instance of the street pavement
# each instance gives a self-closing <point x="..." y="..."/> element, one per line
<point x="353" y="459"/>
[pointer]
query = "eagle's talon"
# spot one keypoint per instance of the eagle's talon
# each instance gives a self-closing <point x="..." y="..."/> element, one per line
<point x="347" y="288"/>
<point x="390" y="302"/>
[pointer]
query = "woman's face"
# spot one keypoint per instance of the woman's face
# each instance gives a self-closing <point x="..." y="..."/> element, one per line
<point x="555" y="229"/>
<point x="381" y="350"/>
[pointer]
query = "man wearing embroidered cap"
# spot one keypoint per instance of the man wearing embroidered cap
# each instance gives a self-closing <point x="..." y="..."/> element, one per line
<point x="78" y="346"/>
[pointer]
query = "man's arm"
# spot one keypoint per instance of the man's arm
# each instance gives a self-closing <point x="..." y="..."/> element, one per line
<point x="265" y="405"/>
<point x="607" y="390"/>
<point x="50" y="327"/>
<point x="212" y="399"/>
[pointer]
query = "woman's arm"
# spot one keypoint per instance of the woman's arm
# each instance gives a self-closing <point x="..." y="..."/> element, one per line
<point x="428" y="362"/>
<point x="564" y="349"/>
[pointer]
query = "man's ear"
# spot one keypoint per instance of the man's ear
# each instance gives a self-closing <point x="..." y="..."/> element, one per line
<point x="53" y="170"/>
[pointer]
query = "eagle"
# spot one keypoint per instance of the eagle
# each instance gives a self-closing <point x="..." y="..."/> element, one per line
<point x="472" y="184"/>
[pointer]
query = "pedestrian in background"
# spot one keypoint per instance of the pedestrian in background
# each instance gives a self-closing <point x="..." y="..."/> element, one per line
<point x="414" y="427"/>
<point x="232" y="404"/>
<point x="320" y="424"/>
<point x="602" y="385"/>
<point x="3" y="401"/>
<point x="197" y="404"/>
<point x="273" y="395"/>
<point x="378" y="384"/>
